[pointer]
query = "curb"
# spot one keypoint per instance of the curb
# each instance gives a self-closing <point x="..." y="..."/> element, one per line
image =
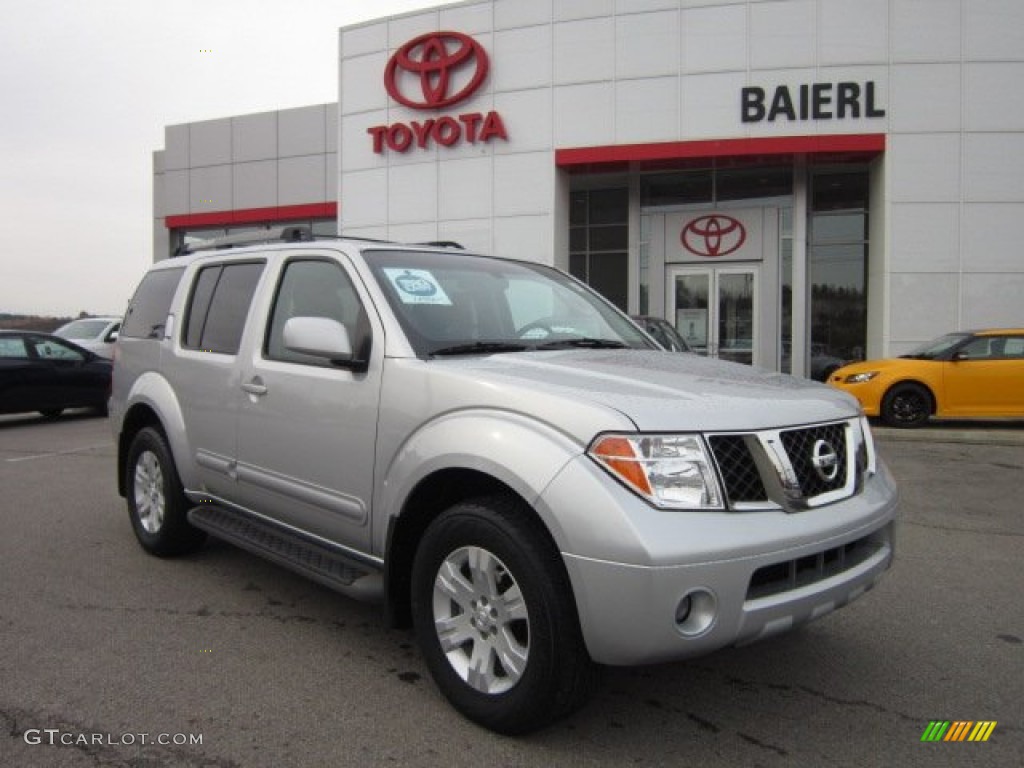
<point x="963" y="433"/>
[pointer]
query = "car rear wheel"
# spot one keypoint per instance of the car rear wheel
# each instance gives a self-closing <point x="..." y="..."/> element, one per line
<point x="494" y="616"/>
<point x="52" y="413"/>
<point x="156" y="500"/>
<point x="906" y="405"/>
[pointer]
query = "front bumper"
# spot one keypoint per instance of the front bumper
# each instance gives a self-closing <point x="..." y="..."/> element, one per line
<point x="748" y="575"/>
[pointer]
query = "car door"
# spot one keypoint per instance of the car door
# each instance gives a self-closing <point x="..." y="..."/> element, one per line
<point x="66" y="378"/>
<point x="17" y="378"/>
<point x="307" y="429"/>
<point x="205" y="368"/>
<point x="986" y="377"/>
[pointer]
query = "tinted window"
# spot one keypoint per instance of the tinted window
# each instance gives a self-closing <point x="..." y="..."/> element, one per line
<point x="199" y="305"/>
<point x="48" y="349"/>
<point x="313" y="289"/>
<point x="13" y="347"/>
<point x="221" y="315"/>
<point x="148" y="309"/>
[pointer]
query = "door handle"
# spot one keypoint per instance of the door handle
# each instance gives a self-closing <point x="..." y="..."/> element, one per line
<point x="255" y="386"/>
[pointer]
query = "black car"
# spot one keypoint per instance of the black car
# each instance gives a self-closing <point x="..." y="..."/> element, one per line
<point x="41" y="372"/>
<point x="663" y="332"/>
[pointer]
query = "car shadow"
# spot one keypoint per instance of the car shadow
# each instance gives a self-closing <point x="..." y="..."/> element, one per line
<point x="14" y="420"/>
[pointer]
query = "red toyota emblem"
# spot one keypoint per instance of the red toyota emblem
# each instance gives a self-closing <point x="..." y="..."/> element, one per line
<point x="435" y="61"/>
<point x="713" y="235"/>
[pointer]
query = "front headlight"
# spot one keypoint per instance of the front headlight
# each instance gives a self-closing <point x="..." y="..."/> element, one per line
<point x="860" y="378"/>
<point x="670" y="471"/>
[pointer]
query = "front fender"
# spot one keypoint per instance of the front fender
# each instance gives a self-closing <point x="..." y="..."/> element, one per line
<point x="518" y="451"/>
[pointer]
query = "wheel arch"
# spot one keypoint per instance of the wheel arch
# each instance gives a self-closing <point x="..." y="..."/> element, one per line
<point x="932" y="398"/>
<point x="152" y="402"/>
<point x="431" y="496"/>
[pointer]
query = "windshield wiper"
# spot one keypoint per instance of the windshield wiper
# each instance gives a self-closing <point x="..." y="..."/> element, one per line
<point x="584" y="342"/>
<point x="479" y="348"/>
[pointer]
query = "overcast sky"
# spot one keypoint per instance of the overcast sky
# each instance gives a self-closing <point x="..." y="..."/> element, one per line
<point x="86" y="88"/>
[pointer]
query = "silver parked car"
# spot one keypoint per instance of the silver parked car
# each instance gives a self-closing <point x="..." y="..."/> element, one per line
<point x="496" y="454"/>
<point x="97" y="334"/>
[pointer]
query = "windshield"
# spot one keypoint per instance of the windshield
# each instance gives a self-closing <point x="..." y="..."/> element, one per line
<point x="82" y="329"/>
<point x="937" y="347"/>
<point x="455" y="303"/>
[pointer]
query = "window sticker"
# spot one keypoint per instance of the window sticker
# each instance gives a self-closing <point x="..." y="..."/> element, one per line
<point x="417" y="286"/>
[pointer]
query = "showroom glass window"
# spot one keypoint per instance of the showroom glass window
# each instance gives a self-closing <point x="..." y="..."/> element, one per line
<point x="838" y="252"/>
<point x="598" y="241"/>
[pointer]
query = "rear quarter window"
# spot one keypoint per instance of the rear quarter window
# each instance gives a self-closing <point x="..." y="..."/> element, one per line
<point x="219" y="306"/>
<point x="148" y="309"/>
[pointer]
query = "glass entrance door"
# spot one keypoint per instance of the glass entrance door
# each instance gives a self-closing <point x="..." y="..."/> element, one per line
<point x="715" y="310"/>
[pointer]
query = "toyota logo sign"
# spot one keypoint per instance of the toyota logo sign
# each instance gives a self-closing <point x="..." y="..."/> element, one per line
<point x="422" y="74"/>
<point x="713" y="235"/>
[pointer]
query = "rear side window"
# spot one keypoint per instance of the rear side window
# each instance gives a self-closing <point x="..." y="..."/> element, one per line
<point x="219" y="305"/>
<point x="147" y="311"/>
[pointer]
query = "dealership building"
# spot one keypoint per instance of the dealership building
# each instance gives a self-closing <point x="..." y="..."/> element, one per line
<point x="783" y="180"/>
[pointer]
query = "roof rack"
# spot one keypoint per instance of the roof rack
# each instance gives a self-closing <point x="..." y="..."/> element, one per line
<point x="284" y="234"/>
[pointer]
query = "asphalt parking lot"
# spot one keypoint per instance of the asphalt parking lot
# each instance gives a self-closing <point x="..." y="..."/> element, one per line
<point x="102" y="644"/>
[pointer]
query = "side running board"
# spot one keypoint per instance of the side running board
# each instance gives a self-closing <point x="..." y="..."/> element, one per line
<point x="292" y="550"/>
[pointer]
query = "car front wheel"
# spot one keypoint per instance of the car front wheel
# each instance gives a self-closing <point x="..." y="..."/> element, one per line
<point x="906" y="405"/>
<point x="156" y="500"/>
<point x="495" y="618"/>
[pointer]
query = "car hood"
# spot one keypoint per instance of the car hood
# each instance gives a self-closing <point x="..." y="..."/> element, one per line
<point x="661" y="391"/>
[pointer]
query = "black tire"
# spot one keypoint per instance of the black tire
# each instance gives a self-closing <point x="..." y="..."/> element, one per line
<point x="156" y="501"/>
<point x="52" y="413"/>
<point x="501" y="537"/>
<point x="906" y="405"/>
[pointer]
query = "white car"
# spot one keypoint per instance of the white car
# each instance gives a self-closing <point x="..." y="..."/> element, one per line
<point x="97" y="334"/>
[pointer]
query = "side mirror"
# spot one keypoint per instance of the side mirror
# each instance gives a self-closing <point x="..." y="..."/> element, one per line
<point x="959" y="357"/>
<point x="322" y="337"/>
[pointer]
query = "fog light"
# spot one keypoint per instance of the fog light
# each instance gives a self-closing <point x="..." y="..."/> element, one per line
<point x="696" y="612"/>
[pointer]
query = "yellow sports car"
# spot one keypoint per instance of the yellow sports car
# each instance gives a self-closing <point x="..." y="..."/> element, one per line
<point x="964" y="374"/>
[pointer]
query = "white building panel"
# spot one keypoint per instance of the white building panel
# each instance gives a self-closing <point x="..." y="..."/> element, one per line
<point x="925" y="30"/>
<point x="209" y="189"/>
<point x="711" y="106"/>
<point x="465" y="188"/>
<point x="523" y="184"/>
<point x="522" y="13"/>
<point x="647" y="110"/>
<point x="783" y="34"/>
<point x="356" y="143"/>
<point x="993" y="97"/>
<point x="924" y="98"/>
<point x="176" y="147"/>
<point x="853" y="32"/>
<point x="412" y="193"/>
<point x="992" y="300"/>
<point x="209" y="143"/>
<point x="938" y="292"/>
<point x="525" y="237"/>
<point x="363" y="197"/>
<point x="993" y="30"/>
<point x="567" y="10"/>
<point x="926" y="236"/>
<point x="584" y="51"/>
<point x="994" y="167"/>
<point x="527" y="117"/>
<point x="254" y="185"/>
<point x="521" y="58"/>
<point x="647" y="45"/>
<point x="254" y="137"/>
<point x="584" y="115"/>
<point x="472" y="234"/>
<point x="362" y="83"/>
<point x="470" y="18"/>
<point x="924" y="167"/>
<point x="302" y="131"/>
<point x="992" y="234"/>
<point x="366" y="38"/>
<point x="715" y="39"/>
<point x="301" y="179"/>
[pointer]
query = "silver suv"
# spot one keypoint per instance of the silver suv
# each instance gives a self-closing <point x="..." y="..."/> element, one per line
<point x="496" y="454"/>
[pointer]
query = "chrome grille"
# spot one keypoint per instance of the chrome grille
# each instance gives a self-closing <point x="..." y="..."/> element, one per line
<point x="790" y="469"/>
<point x="736" y="466"/>
<point x="800" y="445"/>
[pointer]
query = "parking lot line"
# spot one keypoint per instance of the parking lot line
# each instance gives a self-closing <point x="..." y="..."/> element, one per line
<point x="48" y="454"/>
